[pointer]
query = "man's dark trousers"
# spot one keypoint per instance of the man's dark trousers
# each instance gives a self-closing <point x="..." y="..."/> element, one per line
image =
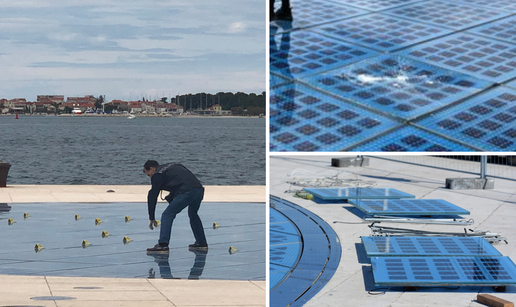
<point x="191" y="199"/>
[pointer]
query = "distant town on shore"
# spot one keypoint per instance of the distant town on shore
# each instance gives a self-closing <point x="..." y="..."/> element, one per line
<point x="220" y="104"/>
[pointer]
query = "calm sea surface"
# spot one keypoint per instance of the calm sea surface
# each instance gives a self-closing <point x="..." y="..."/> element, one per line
<point x="112" y="150"/>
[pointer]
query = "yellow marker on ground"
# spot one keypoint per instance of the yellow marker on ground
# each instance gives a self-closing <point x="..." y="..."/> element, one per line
<point x="105" y="234"/>
<point x="77" y="217"/>
<point x="304" y="195"/>
<point x="10" y="222"/>
<point x="216" y="225"/>
<point x="126" y="240"/>
<point x="97" y="221"/>
<point x="25" y="215"/>
<point x="85" y="243"/>
<point x="38" y="248"/>
<point x="232" y="250"/>
<point x="158" y="223"/>
<point x="127" y="219"/>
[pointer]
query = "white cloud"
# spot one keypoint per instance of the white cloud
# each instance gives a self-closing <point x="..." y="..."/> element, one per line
<point x="237" y="27"/>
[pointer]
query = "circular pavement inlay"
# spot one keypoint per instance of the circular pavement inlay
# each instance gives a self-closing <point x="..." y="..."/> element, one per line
<point x="52" y="298"/>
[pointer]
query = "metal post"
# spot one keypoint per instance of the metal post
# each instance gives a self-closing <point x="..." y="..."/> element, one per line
<point x="483" y="167"/>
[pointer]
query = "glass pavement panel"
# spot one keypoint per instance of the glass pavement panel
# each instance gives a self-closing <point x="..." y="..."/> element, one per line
<point x="435" y="271"/>
<point x="301" y="53"/>
<point x="381" y="32"/>
<point x="357" y="193"/>
<point x="408" y="207"/>
<point x="310" y="13"/>
<point x="397" y="86"/>
<point x="504" y="29"/>
<point x="376" y="5"/>
<point x="505" y="5"/>
<point x="54" y="227"/>
<point x="453" y="15"/>
<point x="412" y="139"/>
<point x="487" y="121"/>
<point x="303" y="119"/>
<point x="481" y="57"/>
<point x="428" y="246"/>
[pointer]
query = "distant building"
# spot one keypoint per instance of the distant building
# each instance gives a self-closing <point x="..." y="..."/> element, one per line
<point x="82" y="100"/>
<point x="49" y="99"/>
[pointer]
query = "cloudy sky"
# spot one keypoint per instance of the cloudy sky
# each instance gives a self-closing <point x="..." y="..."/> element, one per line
<point x="126" y="49"/>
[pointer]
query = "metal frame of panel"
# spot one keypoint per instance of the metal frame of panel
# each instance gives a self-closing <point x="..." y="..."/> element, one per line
<point x="440" y="271"/>
<point x="357" y="193"/>
<point x="408" y="207"/>
<point x="428" y="247"/>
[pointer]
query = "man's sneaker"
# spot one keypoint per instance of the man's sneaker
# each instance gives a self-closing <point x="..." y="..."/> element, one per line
<point x="198" y="246"/>
<point x="158" y="249"/>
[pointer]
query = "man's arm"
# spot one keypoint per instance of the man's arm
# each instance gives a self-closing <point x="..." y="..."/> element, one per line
<point x="152" y="197"/>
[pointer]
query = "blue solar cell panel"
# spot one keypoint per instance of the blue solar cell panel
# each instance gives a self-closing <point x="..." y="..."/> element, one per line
<point x="428" y="246"/>
<point x="309" y="13"/>
<point x="512" y="84"/>
<point x="302" y="119"/>
<point x="408" y="207"/>
<point x="276" y="80"/>
<point x="448" y="14"/>
<point x="277" y="273"/>
<point x="504" y="29"/>
<point x="487" y="121"/>
<point x="357" y="193"/>
<point x="376" y="5"/>
<point x="435" y="271"/>
<point x="505" y="5"/>
<point x="398" y="86"/>
<point x="381" y="32"/>
<point x="480" y="57"/>
<point x="411" y="139"/>
<point x="301" y="53"/>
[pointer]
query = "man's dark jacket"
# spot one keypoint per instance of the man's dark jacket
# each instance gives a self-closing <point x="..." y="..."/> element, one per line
<point x="172" y="177"/>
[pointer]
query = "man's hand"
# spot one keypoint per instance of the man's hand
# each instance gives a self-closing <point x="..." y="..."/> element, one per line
<point x="152" y="224"/>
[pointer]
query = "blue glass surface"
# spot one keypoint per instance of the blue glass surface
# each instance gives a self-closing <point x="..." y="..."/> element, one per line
<point x="454" y="15"/>
<point x="505" y="5"/>
<point x="313" y="12"/>
<point x="428" y="246"/>
<point x="357" y="193"/>
<point x="319" y="259"/>
<point x="397" y="86"/>
<point x="301" y="53"/>
<point x="435" y="271"/>
<point x="54" y="227"/>
<point x="487" y="121"/>
<point x="412" y="139"/>
<point x="302" y="119"/>
<point x="376" y="5"/>
<point x="408" y="207"/>
<point x="381" y="32"/>
<point x="480" y="57"/>
<point x="504" y="29"/>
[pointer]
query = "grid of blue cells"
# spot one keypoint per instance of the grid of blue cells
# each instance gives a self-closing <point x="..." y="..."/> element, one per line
<point x="428" y="246"/>
<point x="446" y="14"/>
<point x="487" y="121"/>
<point x="504" y="5"/>
<point x="412" y="139"/>
<point x="357" y="193"/>
<point x="398" y="86"/>
<point x="477" y="56"/>
<point x="309" y="13"/>
<point x="381" y="32"/>
<point x="408" y="207"/>
<point x="422" y="271"/>
<point x="297" y="54"/>
<point x="302" y="119"/>
<point x="376" y="5"/>
<point x="504" y="29"/>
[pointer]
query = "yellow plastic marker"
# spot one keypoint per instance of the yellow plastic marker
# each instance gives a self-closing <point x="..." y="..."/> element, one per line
<point x="77" y="217"/>
<point x="10" y="222"/>
<point x="25" y="215"/>
<point x="97" y="221"/>
<point x="158" y="223"/>
<point x="38" y="248"/>
<point x="304" y="195"/>
<point x="127" y="219"/>
<point x="105" y="234"/>
<point x="232" y="250"/>
<point x="85" y="243"/>
<point x="216" y="225"/>
<point x="126" y="240"/>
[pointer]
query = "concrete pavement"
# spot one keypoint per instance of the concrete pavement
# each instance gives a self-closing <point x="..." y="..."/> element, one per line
<point x="493" y="210"/>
